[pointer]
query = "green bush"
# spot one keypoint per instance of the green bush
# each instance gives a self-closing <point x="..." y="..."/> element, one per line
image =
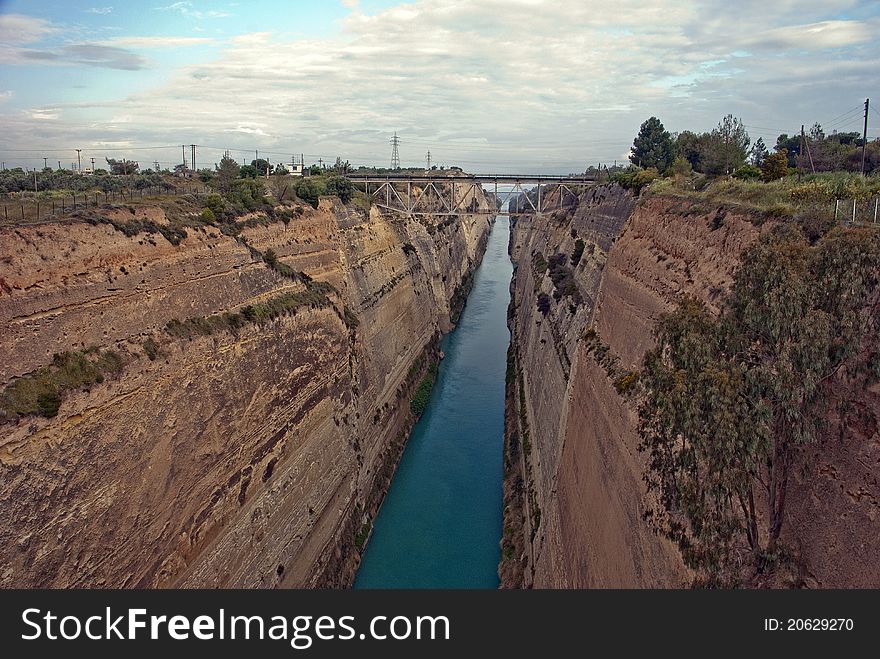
<point x="635" y="179"/>
<point x="423" y="393"/>
<point x="207" y="216"/>
<point x="40" y="392"/>
<point x="341" y="187"/>
<point x="748" y="173"/>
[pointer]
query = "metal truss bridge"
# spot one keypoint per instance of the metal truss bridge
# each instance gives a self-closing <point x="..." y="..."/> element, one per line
<point x="456" y="195"/>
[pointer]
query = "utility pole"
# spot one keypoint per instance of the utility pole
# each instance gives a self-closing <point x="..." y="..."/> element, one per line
<point x="429" y="161"/>
<point x="800" y="152"/>
<point x="59" y="164"/>
<point x="193" y="147"/>
<point x="183" y="153"/>
<point x="395" y="155"/>
<point x="865" y="135"/>
<point x="78" y="160"/>
<point x="45" y="163"/>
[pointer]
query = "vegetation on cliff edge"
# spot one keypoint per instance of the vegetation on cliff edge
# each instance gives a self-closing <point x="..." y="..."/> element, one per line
<point x="730" y="401"/>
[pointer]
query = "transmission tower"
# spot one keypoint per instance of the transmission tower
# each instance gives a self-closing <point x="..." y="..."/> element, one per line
<point x="395" y="155"/>
<point x="428" y="158"/>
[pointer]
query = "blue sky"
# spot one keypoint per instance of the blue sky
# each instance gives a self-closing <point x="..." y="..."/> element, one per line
<point x="487" y="84"/>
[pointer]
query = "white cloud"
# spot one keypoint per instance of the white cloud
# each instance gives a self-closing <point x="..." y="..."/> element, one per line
<point x="100" y="10"/>
<point x="187" y="9"/>
<point x="826" y="34"/>
<point x="6" y="95"/>
<point x="155" y="42"/>
<point x="44" y="114"/>
<point x="18" y="29"/>
<point x="487" y="83"/>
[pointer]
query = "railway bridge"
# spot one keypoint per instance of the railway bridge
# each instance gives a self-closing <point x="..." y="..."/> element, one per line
<point x="448" y="194"/>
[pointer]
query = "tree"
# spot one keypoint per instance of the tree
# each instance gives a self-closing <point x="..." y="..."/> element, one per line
<point x="775" y="166"/>
<point x="122" y="166"/>
<point x="732" y="144"/>
<point x="248" y="171"/>
<point x="281" y="185"/>
<point x="688" y="145"/>
<point x="791" y="145"/>
<point x="341" y="187"/>
<point x="261" y="166"/>
<point x="816" y="132"/>
<point x="652" y="147"/>
<point x="227" y="171"/>
<point x="731" y="400"/>
<point x="759" y="152"/>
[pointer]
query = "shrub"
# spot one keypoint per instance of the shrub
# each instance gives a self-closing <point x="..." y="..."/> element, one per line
<point x="40" y="392"/>
<point x="578" y="252"/>
<point x="207" y="216"/>
<point x="340" y="187"/>
<point x="151" y="348"/>
<point x="634" y="178"/>
<point x="544" y="303"/>
<point x="423" y="393"/>
<point x="748" y="173"/>
<point x="775" y="166"/>
<point x="215" y="203"/>
<point x="626" y="383"/>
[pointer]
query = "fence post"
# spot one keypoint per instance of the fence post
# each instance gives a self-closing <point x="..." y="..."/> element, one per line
<point x="836" y="206"/>
<point x="22" y="211"/>
<point x="876" y="201"/>
<point x="6" y="213"/>
<point x="854" y="211"/>
<point x="38" y="210"/>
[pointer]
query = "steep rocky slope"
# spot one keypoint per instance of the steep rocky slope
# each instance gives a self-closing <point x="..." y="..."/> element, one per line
<point x="573" y="490"/>
<point x="253" y="415"/>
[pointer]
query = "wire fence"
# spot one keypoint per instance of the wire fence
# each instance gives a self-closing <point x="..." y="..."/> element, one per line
<point x="34" y="208"/>
<point x="852" y="211"/>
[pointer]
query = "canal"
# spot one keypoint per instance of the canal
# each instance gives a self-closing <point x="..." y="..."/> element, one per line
<point x="440" y="523"/>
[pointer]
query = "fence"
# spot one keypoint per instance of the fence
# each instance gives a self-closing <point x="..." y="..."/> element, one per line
<point x="852" y="211"/>
<point x="34" y="209"/>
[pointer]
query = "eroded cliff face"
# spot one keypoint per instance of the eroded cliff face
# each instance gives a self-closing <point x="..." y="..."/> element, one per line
<point x="582" y="489"/>
<point x="248" y="447"/>
<point x="574" y="492"/>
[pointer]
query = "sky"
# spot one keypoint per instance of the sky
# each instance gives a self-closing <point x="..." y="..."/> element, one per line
<point x="531" y="86"/>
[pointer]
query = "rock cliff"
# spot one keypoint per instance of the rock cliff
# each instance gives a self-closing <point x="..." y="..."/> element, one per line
<point x="590" y="281"/>
<point x="234" y="402"/>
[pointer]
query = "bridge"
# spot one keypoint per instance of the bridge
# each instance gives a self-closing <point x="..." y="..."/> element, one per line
<point x="449" y="194"/>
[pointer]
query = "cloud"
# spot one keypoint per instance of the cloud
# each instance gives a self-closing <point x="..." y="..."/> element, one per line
<point x="107" y="57"/>
<point x="44" y="114"/>
<point x="18" y="29"/>
<point x="6" y="95"/>
<point x="187" y="9"/>
<point x="490" y="84"/>
<point x="826" y="34"/>
<point x="155" y="42"/>
<point x="100" y="10"/>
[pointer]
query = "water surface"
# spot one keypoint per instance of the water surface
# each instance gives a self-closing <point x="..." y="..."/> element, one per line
<point x="440" y="523"/>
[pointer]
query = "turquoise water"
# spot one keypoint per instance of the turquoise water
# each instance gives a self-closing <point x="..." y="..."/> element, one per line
<point x="440" y="523"/>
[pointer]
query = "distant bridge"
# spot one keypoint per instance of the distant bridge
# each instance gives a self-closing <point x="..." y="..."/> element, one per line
<point x="456" y="195"/>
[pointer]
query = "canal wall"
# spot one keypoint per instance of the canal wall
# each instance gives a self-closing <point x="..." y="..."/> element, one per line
<point x="590" y="281"/>
<point x="233" y="398"/>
